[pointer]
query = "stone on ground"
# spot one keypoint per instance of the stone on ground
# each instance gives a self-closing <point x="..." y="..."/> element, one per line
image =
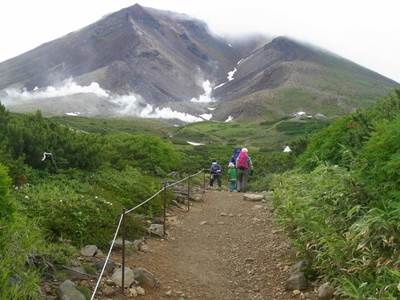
<point x="144" y="276"/>
<point x="89" y="250"/>
<point x="68" y="291"/>
<point x="325" y="292"/>
<point x="128" y="279"/>
<point x="253" y="197"/>
<point x="296" y="281"/>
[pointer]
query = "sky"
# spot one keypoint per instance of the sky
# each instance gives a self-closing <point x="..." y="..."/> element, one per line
<point x="366" y="32"/>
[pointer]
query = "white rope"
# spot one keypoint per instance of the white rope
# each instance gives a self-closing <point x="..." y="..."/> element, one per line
<point x="108" y="256"/>
<point x="119" y="225"/>
<point x="175" y="183"/>
<point x="145" y="201"/>
<point x="198" y="173"/>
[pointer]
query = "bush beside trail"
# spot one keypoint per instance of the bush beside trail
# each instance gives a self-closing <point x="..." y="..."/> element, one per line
<point x="341" y="205"/>
<point x="50" y="210"/>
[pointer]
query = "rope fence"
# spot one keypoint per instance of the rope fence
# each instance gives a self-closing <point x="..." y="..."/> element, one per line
<point x="108" y="257"/>
<point x="122" y="222"/>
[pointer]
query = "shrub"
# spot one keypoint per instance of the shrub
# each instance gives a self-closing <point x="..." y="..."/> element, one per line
<point x="85" y="207"/>
<point x="379" y="161"/>
<point x="6" y="206"/>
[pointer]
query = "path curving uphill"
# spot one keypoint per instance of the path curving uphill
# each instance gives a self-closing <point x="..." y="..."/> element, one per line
<point x="225" y="248"/>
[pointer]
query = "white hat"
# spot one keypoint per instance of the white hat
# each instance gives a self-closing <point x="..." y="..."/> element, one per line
<point x="245" y="150"/>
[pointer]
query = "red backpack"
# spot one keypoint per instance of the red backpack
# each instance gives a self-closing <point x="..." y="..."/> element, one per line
<point x="242" y="163"/>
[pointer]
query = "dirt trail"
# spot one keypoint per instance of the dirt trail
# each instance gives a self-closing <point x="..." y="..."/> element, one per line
<point x="224" y="248"/>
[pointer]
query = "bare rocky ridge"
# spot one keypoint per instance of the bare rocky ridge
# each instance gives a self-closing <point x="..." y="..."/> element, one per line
<point x="164" y="58"/>
<point x="224" y="248"/>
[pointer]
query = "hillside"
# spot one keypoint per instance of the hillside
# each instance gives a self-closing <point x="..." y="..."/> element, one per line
<point x="150" y="63"/>
<point x="285" y="77"/>
<point x="125" y="51"/>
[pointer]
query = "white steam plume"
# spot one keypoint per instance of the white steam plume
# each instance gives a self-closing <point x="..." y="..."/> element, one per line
<point x="135" y="106"/>
<point x="206" y="97"/>
<point x="128" y="104"/>
<point x="70" y="88"/>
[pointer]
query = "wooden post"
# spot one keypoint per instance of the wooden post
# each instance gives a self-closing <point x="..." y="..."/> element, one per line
<point x="123" y="250"/>
<point x="165" y="207"/>
<point x="188" y="193"/>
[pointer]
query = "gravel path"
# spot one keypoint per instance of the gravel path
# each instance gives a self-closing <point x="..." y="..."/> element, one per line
<point x="224" y="248"/>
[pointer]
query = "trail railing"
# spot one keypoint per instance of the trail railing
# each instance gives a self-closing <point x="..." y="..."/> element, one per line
<point x="121" y="223"/>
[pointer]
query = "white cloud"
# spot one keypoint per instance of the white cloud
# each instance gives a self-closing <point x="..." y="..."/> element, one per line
<point x="355" y="29"/>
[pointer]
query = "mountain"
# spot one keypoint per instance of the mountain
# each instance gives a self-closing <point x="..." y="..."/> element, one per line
<point x="124" y="52"/>
<point x="148" y="62"/>
<point x="285" y="76"/>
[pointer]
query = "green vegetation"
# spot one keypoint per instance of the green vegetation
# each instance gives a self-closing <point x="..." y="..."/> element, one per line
<point x="112" y="126"/>
<point x="54" y="208"/>
<point x="341" y="205"/>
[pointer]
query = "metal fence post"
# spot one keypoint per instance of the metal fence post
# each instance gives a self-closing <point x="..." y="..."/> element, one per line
<point x="123" y="249"/>
<point x="204" y="181"/>
<point x="189" y="192"/>
<point x="165" y="207"/>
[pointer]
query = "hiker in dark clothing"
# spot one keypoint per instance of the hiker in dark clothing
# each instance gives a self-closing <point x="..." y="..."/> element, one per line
<point x="215" y="172"/>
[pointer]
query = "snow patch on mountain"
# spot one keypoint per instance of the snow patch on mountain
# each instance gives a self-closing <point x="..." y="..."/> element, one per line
<point x="230" y="118"/>
<point x="206" y="116"/>
<point x="194" y="144"/>
<point x="231" y="73"/>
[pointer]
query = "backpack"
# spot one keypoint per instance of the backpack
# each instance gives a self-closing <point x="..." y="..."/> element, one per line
<point x="242" y="163"/>
<point x="215" y="169"/>
<point x="236" y="153"/>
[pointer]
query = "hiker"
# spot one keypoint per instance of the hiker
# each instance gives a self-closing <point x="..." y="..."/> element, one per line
<point x="235" y="155"/>
<point x="244" y="166"/>
<point x="232" y="176"/>
<point x="215" y="171"/>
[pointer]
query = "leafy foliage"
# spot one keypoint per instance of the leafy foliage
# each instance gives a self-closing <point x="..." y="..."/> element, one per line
<point x="149" y="153"/>
<point x="6" y="206"/>
<point x="343" y="213"/>
<point x="341" y="142"/>
<point x="334" y="227"/>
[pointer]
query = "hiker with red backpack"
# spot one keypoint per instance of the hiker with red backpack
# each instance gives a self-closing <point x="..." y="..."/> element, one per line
<point x="244" y="166"/>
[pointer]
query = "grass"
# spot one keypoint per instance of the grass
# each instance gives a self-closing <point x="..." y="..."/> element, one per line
<point x="110" y="126"/>
<point x="270" y="135"/>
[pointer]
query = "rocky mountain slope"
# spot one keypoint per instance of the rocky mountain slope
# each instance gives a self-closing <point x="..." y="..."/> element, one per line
<point x="151" y="63"/>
